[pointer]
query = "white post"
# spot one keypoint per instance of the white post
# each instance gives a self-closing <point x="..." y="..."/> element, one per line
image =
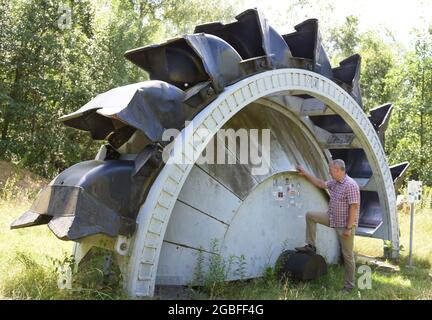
<point x="412" y="206"/>
<point x="414" y="196"/>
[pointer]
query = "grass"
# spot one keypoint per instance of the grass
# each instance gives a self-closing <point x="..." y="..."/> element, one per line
<point x="26" y="255"/>
<point x="29" y="260"/>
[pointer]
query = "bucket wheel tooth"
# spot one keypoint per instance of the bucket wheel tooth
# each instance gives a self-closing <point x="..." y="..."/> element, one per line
<point x="348" y="76"/>
<point x="398" y="172"/>
<point x="259" y="44"/>
<point x="306" y="47"/>
<point x="190" y="60"/>
<point x="380" y="118"/>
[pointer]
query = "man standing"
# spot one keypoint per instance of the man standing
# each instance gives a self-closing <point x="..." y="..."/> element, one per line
<point x="342" y="215"/>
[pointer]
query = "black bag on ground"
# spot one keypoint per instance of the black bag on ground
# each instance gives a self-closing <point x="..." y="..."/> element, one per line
<point x="301" y="266"/>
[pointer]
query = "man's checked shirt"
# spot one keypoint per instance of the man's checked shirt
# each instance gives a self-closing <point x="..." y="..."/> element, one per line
<point x="342" y="194"/>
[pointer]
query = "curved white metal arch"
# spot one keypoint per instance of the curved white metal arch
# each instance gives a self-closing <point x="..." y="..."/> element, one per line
<point x="154" y="215"/>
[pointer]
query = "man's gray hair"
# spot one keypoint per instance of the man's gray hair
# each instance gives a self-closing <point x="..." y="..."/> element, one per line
<point x="338" y="163"/>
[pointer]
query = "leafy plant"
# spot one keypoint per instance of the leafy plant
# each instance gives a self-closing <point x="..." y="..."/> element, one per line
<point x="218" y="269"/>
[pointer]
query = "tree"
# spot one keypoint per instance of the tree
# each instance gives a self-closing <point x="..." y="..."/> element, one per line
<point x="410" y="131"/>
<point x="377" y="58"/>
<point x="377" y="63"/>
<point x="344" y="40"/>
<point x="34" y="75"/>
<point x="56" y="57"/>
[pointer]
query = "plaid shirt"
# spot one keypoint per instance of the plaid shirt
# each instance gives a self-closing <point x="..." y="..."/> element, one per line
<point x="342" y="194"/>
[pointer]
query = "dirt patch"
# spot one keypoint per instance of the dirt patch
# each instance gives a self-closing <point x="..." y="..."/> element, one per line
<point x="20" y="178"/>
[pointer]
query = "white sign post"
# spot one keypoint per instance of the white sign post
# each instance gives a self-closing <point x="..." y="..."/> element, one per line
<point x="414" y="196"/>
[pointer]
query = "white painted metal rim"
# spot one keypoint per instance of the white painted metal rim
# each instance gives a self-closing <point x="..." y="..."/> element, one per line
<point x="154" y="215"/>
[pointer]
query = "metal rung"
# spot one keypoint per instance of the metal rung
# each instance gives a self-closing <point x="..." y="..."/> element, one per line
<point x="150" y="247"/>
<point x="155" y="233"/>
<point x="162" y="205"/>
<point x="158" y="219"/>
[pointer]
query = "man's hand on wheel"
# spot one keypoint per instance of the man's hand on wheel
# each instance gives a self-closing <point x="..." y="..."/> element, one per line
<point x="301" y="171"/>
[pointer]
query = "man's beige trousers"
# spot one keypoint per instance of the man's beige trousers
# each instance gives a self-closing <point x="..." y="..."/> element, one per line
<point x="347" y="244"/>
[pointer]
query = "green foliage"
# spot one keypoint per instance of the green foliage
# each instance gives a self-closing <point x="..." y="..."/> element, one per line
<point x="199" y="269"/>
<point x="36" y="281"/>
<point x="240" y="270"/>
<point x="377" y="56"/>
<point x="377" y="62"/>
<point x="409" y="135"/>
<point x="212" y="274"/>
<point x="426" y="202"/>
<point x="43" y="76"/>
<point x="269" y="274"/>
<point x="344" y="40"/>
<point x="218" y="270"/>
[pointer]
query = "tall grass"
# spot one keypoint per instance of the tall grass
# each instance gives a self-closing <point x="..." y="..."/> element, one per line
<point x="30" y="260"/>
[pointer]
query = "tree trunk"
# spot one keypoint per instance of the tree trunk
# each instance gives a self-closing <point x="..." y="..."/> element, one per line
<point x="14" y="96"/>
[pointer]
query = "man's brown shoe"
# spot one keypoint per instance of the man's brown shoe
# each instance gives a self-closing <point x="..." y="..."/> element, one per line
<point x="306" y="249"/>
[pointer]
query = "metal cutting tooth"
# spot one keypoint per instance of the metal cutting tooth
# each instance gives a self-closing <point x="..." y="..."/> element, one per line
<point x="398" y="172"/>
<point x="348" y="76"/>
<point x="307" y="49"/>
<point x="189" y="60"/>
<point x="380" y="118"/>
<point x="259" y="44"/>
